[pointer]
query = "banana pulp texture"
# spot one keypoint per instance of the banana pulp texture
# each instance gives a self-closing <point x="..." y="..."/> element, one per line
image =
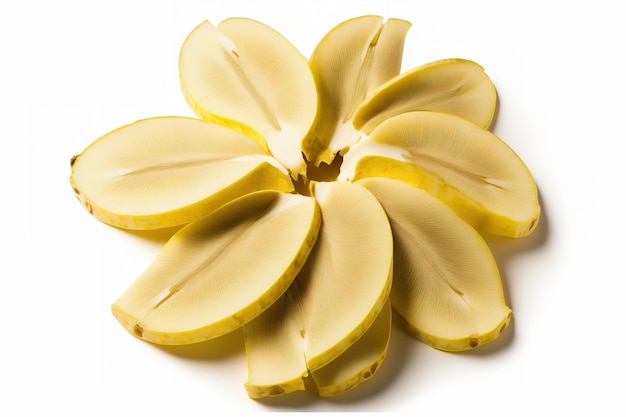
<point x="446" y="284"/>
<point x="469" y="168"/>
<point x="359" y="362"/>
<point x="168" y="171"/>
<point x="414" y="170"/>
<point x="200" y="286"/>
<point x="371" y="55"/>
<point x="334" y="299"/>
<point x="455" y="86"/>
<point x="247" y="76"/>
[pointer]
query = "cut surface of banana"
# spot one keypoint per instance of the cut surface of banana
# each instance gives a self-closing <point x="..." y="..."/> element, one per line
<point x="359" y="362"/>
<point x="245" y="75"/>
<point x="469" y="168"/>
<point x="446" y="282"/>
<point x="312" y="200"/>
<point x="353" y="59"/>
<point x="456" y="86"/>
<point x="335" y="298"/>
<point x="200" y="286"/>
<point x="168" y="171"/>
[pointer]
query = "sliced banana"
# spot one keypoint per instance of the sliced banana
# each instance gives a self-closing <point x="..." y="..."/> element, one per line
<point x="360" y="362"/>
<point x="446" y="283"/>
<point x="220" y="272"/>
<point x="456" y="86"/>
<point x="168" y="171"/>
<point x="352" y="60"/>
<point x="246" y="75"/>
<point x="275" y="348"/>
<point x="347" y="278"/>
<point x="397" y="177"/>
<point x="335" y="298"/>
<point x="467" y="167"/>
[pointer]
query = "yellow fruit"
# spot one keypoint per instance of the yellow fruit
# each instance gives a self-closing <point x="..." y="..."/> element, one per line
<point x="348" y="274"/>
<point x="371" y="54"/>
<point x="467" y="167"/>
<point x="335" y="298"/>
<point x="275" y="350"/>
<point x="306" y="188"/>
<point x="247" y="76"/>
<point x="455" y="86"/>
<point x="222" y="271"/>
<point x="446" y="283"/>
<point x="168" y="171"/>
<point x="360" y="362"/>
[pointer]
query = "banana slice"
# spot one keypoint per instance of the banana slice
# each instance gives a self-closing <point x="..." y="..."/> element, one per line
<point x="446" y="282"/>
<point x="335" y="298"/>
<point x="275" y="348"/>
<point x="168" y="171"/>
<point x="348" y="275"/>
<point x="467" y="167"/>
<point x="200" y="286"/>
<point x="352" y="60"/>
<point x="246" y="75"/>
<point x="360" y="362"/>
<point x="456" y="86"/>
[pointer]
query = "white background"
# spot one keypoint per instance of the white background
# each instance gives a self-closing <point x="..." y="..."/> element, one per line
<point x="71" y="71"/>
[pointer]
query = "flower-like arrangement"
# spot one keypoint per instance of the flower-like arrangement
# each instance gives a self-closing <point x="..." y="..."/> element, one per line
<point x="313" y="197"/>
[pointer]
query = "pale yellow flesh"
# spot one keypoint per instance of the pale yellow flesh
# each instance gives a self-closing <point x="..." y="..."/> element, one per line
<point x="221" y="271"/>
<point x="168" y="171"/>
<point x="446" y="283"/>
<point x="247" y="76"/>
<point x="465" y="166"/>
<point x="456" y="86"/>
<point x="348" y="274"/>
<point x="359" y="362"/>
<point x="333" y="301"/>
<point x="275" y="350"/>
<point x="352" y="60"/>
<point x="309" y="277"/>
